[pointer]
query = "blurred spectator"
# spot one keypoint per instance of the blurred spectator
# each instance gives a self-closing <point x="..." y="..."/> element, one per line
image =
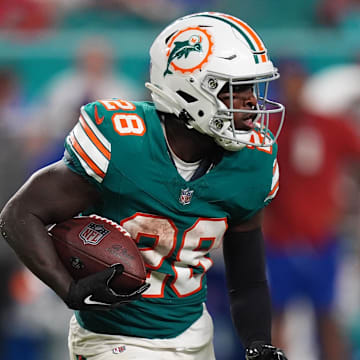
<point x="93" y="77"/>
<point x="12" y="165"/>
<point x="163" y="10"/>
<point x="302" y="224"/>
<point x="26" y="15"/>
<point x="12" y="158"/>
<point x="24" y="299"/>
<point x="38" y="320"/>
<point x="153" y="10"/>
<point x="335" y="91"/>
<point x="150" y="10"/>
<point x="14" y="15"/>
<point x="332" y="12"/>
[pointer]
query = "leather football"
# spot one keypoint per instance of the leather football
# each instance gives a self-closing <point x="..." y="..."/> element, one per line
<point x="88" y="244"/>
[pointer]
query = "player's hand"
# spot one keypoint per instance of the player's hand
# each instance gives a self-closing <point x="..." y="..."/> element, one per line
<point x="259" y="351"/>
<point x="93" y="291"/>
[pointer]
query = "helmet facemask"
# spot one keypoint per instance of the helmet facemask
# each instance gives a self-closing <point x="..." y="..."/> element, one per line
<point x="223" y="127"/>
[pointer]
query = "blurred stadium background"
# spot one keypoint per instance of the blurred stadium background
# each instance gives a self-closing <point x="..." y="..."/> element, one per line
<point x="58" y="54"/>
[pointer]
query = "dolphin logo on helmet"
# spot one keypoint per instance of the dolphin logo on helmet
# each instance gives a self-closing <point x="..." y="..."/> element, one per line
<point x="183" y="49"/>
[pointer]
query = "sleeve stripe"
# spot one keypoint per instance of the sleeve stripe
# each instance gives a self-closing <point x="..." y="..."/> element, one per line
<point x="276" y="166"/>
<point x="94" y="138"/>
<point x="275" y="181"/>
<point x="90" y="167"/>
<point x="106" y="144"/>
<point x="90" y="148"/>
<point x="275" y="188"/>
<point x="272" y="194"/>
<point x="276" y="174"/>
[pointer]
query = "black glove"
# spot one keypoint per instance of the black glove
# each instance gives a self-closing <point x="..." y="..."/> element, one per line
<point x="259" y="351"/>
<point x="93" y="292"/>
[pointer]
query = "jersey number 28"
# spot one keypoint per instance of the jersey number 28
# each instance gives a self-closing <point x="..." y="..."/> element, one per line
<point x="205" y="234"/>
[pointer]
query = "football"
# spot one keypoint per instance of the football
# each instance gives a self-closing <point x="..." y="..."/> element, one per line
<point x="88" y="244"/>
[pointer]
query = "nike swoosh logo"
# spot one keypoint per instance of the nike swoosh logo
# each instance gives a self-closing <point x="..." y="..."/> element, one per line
<point x="88" y="301"/>
<point x="98" y="119"/>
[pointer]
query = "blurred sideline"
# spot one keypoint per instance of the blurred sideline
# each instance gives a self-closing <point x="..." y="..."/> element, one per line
<point x="48" y="70"/>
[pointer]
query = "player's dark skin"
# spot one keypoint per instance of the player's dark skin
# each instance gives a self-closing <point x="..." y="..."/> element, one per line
<point x="191" y="145"/>
<point x="55" y="193"/>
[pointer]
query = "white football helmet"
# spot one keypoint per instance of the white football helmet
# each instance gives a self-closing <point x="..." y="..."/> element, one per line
<point x="194" y="57"/>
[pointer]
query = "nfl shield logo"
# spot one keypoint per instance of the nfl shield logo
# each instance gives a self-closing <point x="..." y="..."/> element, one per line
<point x="93" y="233"/>
<point x="185" y="196"/>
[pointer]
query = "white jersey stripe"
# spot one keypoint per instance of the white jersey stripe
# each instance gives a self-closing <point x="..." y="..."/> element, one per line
<point x="276" y="174"/>
<point x="90" y="149"/>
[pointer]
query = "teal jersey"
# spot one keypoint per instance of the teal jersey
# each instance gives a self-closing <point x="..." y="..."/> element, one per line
<point x="120" y="147"/>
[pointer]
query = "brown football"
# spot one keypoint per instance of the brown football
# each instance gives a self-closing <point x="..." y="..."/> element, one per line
<point x="88" y="244"/>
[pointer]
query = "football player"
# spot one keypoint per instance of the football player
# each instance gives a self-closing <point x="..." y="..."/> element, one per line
<point x="184" y="174"/>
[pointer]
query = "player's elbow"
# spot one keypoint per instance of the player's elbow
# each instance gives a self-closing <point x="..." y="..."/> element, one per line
<point x="14" y="218"/>
<point x="8" y="214"/>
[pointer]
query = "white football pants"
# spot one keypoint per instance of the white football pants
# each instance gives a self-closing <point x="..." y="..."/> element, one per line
<point x="193" y="344"/>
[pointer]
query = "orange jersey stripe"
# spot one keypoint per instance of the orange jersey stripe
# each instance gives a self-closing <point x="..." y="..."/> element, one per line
<point x="94" y="139"/>
<point x="85" y="157"/>
<point x="252" y="33"/>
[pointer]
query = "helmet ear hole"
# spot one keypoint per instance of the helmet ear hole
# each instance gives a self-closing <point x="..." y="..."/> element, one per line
<point x="186" y="96"/>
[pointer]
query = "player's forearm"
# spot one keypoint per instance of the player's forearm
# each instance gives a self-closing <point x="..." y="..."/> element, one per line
<point x="247" y="284"/>
<point x="251" y="313"/>
<point x="28" y="237"/>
